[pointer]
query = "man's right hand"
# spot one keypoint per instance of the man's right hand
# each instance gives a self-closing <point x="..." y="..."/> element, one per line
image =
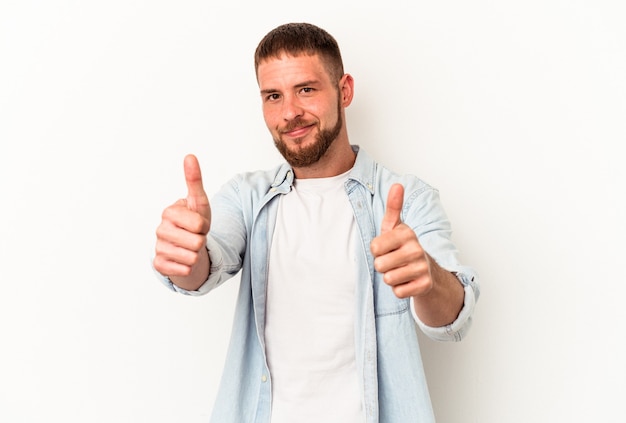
<point x="181" y="236"/>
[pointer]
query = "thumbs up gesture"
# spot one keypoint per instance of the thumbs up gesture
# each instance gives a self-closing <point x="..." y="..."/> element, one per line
<point x="196" y="199"/>
<point x="181" y="236"/>
<point x="398" y="253"/>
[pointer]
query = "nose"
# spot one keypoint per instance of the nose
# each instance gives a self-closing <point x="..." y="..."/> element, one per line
<point x="291" y="108"/>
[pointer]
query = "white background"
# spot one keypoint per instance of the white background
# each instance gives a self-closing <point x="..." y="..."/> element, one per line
<point x="514" y="110"/>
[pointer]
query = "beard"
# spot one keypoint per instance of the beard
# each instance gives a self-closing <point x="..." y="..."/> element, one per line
<point x="306" y="156"/>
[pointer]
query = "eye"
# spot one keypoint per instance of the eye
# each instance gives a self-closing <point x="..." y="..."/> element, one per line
<point x="307" y="90"/>
<point x="272" y="97"/>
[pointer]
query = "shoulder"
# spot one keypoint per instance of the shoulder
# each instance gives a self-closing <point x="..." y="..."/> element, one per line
<point x="380" y="178"/>
<point x="414" y="186"/>
<point x="260" y="181"/>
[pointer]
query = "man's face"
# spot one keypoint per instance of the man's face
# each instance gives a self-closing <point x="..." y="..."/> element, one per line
<point x="301" y="107"/>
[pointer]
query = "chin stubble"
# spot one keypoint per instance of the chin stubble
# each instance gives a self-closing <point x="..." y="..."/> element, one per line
<point x="307" y="156"/>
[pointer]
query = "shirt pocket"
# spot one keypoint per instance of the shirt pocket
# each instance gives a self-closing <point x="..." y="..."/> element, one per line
<point x="385" y="301"/>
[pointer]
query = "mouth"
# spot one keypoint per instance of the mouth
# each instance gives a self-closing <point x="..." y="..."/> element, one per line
<point x="298" y="132"/>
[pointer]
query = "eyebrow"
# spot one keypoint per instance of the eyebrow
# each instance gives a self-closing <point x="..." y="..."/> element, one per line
<point x="298" y="85"/>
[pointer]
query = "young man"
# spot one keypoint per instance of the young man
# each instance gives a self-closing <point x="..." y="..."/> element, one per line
<point x="340" y="258"/>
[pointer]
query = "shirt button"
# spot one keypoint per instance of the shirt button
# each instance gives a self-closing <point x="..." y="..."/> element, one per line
<point x="264" y="378"/>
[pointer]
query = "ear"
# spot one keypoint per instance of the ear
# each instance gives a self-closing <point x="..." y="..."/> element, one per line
<point x="346" y="89"/>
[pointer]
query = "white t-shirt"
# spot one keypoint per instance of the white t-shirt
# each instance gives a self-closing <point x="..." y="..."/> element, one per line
<point x="309" y="327"/>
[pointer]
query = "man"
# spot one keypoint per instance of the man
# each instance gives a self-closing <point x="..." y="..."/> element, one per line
<point x="340" y="258"/>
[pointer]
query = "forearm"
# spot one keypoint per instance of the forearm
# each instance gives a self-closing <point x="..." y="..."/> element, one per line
<point x="442" y="304"/>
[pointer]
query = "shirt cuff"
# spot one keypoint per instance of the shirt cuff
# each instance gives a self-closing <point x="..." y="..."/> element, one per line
<point x="456" y="330"/>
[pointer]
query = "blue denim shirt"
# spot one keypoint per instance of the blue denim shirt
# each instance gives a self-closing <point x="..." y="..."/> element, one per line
<point x="392" y="379"/>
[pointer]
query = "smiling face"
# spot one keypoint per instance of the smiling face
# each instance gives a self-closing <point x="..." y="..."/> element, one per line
<point x="302" y="106"/>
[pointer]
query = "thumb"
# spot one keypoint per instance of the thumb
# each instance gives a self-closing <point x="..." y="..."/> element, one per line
<point x="197" y="199"/>
<point x="395" y="199"/>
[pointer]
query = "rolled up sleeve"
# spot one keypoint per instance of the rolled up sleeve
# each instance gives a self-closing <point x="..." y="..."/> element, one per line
<point x="456" y="330"/>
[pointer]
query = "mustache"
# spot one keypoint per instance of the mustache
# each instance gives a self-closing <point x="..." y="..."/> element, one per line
<point x="295" y="123"/>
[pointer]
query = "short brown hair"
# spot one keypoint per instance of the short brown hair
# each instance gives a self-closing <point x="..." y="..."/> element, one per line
<point x="295" y="39"/>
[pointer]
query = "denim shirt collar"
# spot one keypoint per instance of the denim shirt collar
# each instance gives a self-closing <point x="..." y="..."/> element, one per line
<point x="363" y="172"/>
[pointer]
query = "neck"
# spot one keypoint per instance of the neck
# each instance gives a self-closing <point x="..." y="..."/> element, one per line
<point x="338" y="159"/>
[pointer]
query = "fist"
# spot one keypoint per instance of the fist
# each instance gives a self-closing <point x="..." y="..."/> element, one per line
<point x="181" y="235"/>
<point x="398" y="255"/>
